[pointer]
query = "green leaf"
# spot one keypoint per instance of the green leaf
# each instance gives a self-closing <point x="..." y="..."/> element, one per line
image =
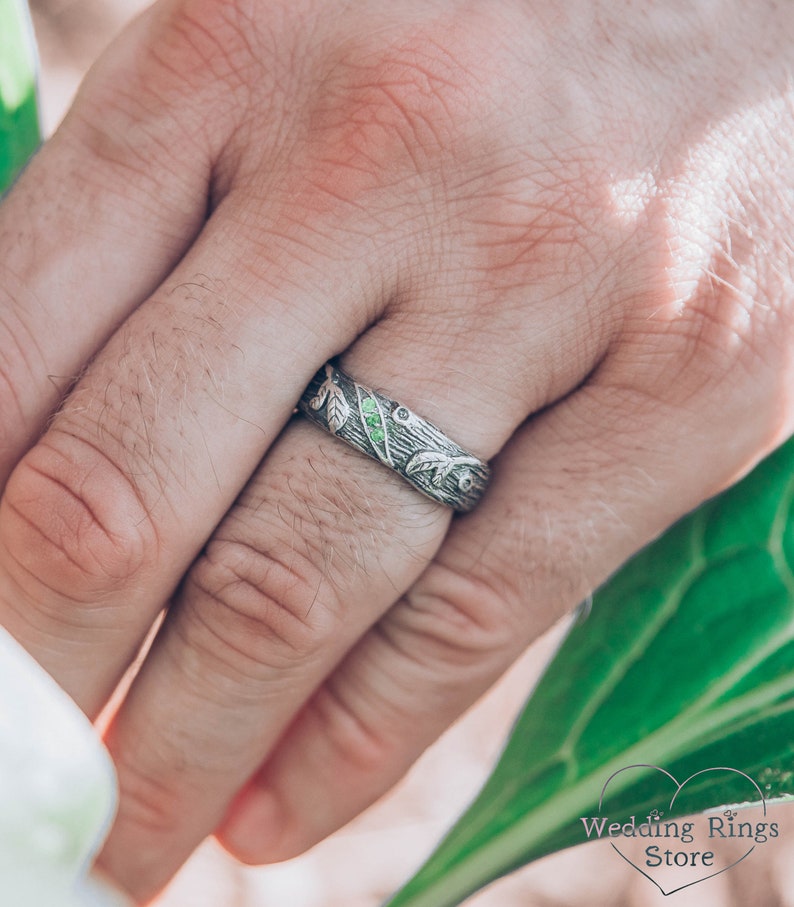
<point x="686" y="662"/>
<point x="19" y="123"/>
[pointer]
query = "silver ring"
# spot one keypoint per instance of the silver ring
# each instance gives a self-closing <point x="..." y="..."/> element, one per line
<point x="391" y="433"/>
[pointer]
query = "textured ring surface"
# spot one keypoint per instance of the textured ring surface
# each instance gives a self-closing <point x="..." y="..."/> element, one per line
<point x="390" y="432"/>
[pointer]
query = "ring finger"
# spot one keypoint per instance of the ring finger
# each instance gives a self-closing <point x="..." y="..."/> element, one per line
<point x="320" y="545"/>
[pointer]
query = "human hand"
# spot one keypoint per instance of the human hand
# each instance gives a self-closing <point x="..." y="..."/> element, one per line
<point x="562" y="235"/>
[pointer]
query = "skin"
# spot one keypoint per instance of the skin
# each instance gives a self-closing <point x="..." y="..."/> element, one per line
<point x="561" y="232"/>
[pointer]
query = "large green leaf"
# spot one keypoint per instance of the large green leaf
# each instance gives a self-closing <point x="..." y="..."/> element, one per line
<point x="686" y="662"/>
<point x="19" y="123"/>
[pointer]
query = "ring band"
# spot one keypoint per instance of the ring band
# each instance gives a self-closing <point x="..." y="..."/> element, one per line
<point x="391" y="433"/>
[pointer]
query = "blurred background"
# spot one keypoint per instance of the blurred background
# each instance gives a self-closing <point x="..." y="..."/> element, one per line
<point x="361" y="864"/>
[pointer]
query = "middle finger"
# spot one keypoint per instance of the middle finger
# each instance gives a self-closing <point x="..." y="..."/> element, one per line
<point x="102" y="517"/>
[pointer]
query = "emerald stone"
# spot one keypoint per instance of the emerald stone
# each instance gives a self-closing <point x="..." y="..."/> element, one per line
<point x="369" y="405"/>
<point x="373" y="421"/>
<point x="377" y="434"/>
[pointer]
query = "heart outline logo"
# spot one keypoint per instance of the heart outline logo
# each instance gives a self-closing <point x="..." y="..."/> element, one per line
<point x="679" y="787"/>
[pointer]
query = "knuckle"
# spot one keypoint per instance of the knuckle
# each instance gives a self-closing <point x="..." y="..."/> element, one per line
<point x="707" y="302"/>
<point x="394" y="106"/>
<point x="699" y="327"/>
<point x="205" y="41"/>
<point x="352" y="732"/>
<point x="261" y="605"/>
<point x="481" y="613"/>
<point x="717" y="331"/>
<point x="278" y="581"/>
<point x="148" y="100"/>
<point x="460" y="619"/>
<point x="73" y="522"/>
<point x="149" y="801"/>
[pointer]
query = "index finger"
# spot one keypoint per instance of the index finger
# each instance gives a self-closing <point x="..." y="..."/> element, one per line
<point x="97" y="220"/>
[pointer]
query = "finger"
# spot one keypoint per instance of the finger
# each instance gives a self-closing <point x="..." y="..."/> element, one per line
<point x="291" y="578"/>
<point x="102" y="517"/>
<point x="320" y="545"/>
<point x="94" y="224"/>
<point x="575" y="493"/>
<point x="230" y="646"/>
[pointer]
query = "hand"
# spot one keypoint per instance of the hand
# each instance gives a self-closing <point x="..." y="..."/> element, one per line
<point x="563" y="235"/>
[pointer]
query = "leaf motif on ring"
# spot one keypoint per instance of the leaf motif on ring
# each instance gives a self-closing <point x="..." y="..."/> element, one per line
<point x="328" y="386"/>
<point x="330" y="395"/>
<point x="337" y="410"/>
<point x="320" y="397"/>
<point x="431" y="461"/>
<point x="373" y="423"/>
<point x="436" y="462"/>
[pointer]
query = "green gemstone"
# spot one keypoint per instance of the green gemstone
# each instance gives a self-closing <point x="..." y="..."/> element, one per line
<point x="373" y="421"/>
<point x="377" y="434"/>
<point x="369" y="405"/>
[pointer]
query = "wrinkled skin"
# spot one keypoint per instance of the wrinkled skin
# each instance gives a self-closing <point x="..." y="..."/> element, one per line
<point x="561" y="232"/>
